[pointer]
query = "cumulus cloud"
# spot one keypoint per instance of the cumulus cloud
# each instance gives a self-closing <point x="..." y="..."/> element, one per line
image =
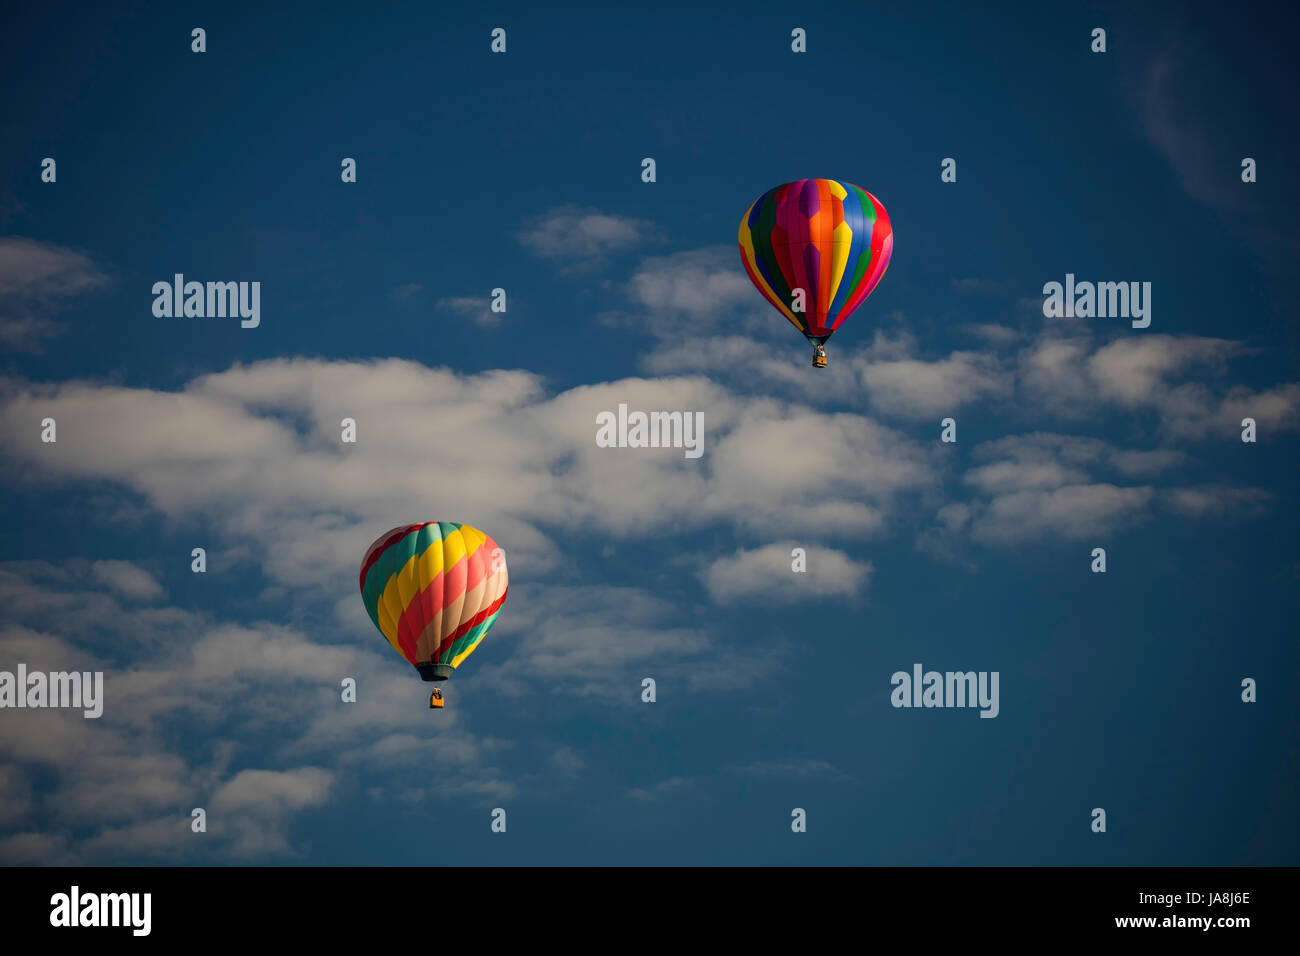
<point x="765" y="574"/>
<point x="248" y="816"/>
<point x="37" y="591"/>
<point x="1193" y="411"/>
<point x="31" y="269"/>
<point x="257" y="448"/>
<point x="581" y="234"/>
<point x="15" y="796"/>
<point x="707" y="320"/>
<point x="1050" y="375"/>
<point x="1050" y="460"/>
<point x="252" y="455"/>
<point x="32" y="848"/>
<point x="1071" y="511"/>
<point x="911" y="388"/>
<point x="1063" y="373"/>
<point x="591" y="641"/>
<point x="122" y="784"/>
<point x="700" y="286"/>
<point x="1071" y="377"/>
<point x="1045" y="485"/>
<point x="129" y="580"/>
<point x="706" y="314"/>
<point x="1135" y="370"/>
<point x="271" y="791"/>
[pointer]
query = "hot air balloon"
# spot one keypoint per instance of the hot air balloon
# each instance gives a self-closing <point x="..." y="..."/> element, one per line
<point x="434" y="590"/>
<point x="829" y="240"/>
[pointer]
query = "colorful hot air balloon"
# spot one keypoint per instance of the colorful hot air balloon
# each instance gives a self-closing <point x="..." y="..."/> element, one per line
<point x="832" y="240"/>
<point x="434" y="590"/>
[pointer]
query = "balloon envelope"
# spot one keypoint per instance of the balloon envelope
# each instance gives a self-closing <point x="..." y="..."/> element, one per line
<point x="434" y="590"/>
<point x="832" y="240"/>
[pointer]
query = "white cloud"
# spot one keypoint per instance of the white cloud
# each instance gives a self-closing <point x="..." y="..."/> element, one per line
<point x="1216" y="501"/>
<point x="589" y="641"/>
<point x="35" y="279"/>
<point x="254" y="791"/>
<point x="257" y="448"/>
<point x="1051" y="376"/>
<point x="32" y="848"/>
<point x="1192" y="411"/>
<point x="128" y="579"/>
<point x="583" y="234"/>
<point x="15" y="796"/>
<point x="764" y="467"/>
<point x="998" y="336"/>
<point x="1050" y="460"/>
<point x="765" y="574"/>
<point x="31" y="269"/>
<point x="685" y="297"/>
<point x="1044" y="485"/>
<point x="1072" y="511"/>
<point x="1072" y="378"/>
<point x="478" y="309"/>
<point x="251" y="811"/>
<point x="911" y="388"/>
<point x="118" y="781"/>
<point x="703" y="285"/>
<point x="252" y="456"/>
<point x="1135" y="370"/>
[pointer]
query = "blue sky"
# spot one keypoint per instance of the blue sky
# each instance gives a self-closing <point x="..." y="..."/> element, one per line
<point x="522" y="171"/>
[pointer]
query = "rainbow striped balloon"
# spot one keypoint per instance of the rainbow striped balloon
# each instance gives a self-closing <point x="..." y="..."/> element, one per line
<point x="832" y="240"/>
<point x="434" y="590"/>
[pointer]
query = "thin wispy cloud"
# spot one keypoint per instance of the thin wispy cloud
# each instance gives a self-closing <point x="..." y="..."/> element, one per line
<point x="477" y="310"/>
<point x="36" y="280"/>
<point x="583" y="235"/>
